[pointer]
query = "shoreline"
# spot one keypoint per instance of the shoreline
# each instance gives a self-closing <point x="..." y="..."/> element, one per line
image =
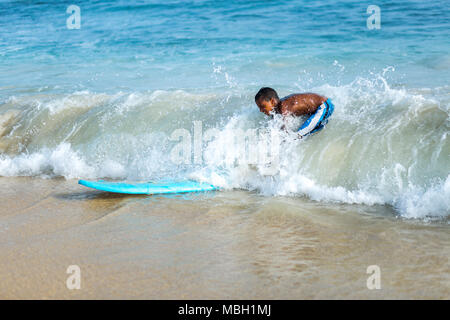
<point x="218" y="245"/>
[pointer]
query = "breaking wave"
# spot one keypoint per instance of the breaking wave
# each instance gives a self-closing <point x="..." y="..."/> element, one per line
<point x="383" y="145"/>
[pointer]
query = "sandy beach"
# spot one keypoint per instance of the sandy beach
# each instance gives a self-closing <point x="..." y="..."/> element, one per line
<point x="218" y="245"/>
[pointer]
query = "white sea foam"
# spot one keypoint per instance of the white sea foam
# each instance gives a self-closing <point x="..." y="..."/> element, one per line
<point x="381" y="146"/>
<point x="61" y="161"/>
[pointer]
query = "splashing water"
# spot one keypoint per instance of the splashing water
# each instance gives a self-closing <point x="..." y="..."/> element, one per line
<point x="106" y="101"/>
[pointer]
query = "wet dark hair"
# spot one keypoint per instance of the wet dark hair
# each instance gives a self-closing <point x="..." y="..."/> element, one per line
<point x="266" y="94"/>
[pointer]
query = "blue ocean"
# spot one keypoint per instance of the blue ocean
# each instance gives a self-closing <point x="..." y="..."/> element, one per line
<point x="107" y="89"/>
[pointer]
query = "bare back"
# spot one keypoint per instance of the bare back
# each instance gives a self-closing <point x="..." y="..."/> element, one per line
<point x="300" y="104"/>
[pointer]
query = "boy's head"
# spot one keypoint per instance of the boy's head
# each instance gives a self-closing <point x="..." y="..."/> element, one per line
<point x="266" y="99"/>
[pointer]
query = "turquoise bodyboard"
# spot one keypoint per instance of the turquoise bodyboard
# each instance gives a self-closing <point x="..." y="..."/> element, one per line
<point x="148" y="188"/>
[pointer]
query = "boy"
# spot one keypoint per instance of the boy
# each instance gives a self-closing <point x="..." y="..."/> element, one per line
<point x="318" y="107"/>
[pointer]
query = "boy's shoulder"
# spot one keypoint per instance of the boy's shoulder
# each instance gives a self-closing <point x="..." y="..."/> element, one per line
<point x="306" y="96"/>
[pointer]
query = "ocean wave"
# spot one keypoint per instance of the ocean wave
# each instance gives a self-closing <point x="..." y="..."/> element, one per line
<point x="383" y="145"/>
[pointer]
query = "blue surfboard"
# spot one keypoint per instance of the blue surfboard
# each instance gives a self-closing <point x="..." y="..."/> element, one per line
<point x="148" y="188"/>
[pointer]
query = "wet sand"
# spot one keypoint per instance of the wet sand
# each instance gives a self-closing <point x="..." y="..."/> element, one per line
<point x="219" y="245"/>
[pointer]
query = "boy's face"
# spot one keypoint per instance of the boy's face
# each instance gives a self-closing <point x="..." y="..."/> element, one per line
<point x="266" y="106"/>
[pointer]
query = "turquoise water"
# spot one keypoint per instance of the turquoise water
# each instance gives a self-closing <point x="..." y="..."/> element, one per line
<point x="147" y="45"/>
<point x="102" y="101"/>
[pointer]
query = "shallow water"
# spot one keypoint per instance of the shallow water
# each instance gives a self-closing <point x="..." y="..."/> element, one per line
<point x="232" y="244"/>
